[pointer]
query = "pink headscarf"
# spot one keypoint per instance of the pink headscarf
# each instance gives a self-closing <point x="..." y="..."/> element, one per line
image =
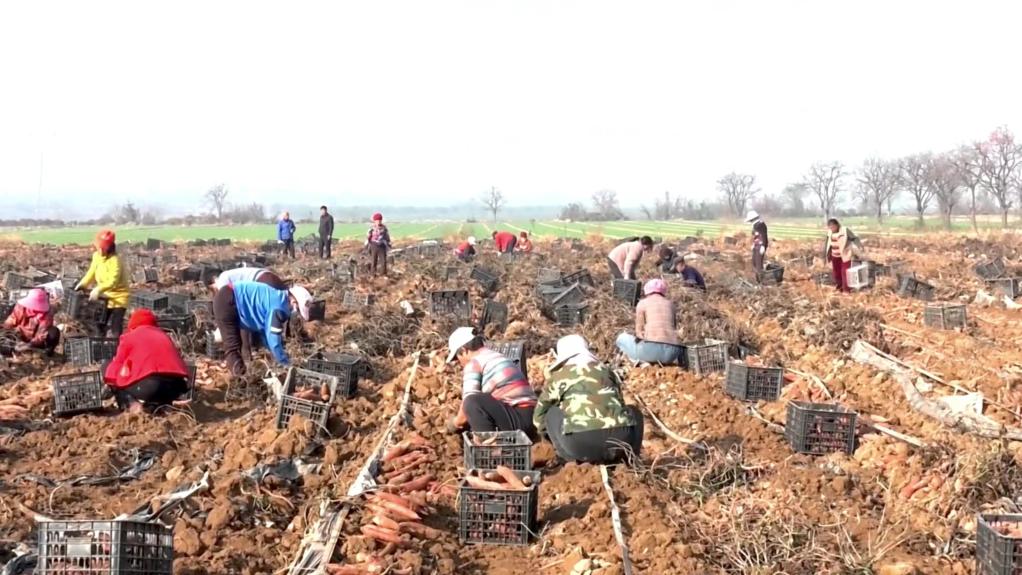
<point x="37" y="300"/>
<point x="655" y="286"/>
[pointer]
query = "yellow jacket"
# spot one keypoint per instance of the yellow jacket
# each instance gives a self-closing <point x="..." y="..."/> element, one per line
<point x="111" y="277"/>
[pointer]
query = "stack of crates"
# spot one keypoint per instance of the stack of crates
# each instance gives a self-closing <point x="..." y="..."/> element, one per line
<point x="498" y="516"/>
<point x="628" y="291"/>
<point x="315" y="410"/>
<point x="753" y="383"/>
<point x="77" y="392"/>
<point x="118" y="547"/>
<point x="346" y="368"/>
<point x="450" y="302"/>
<point x="944" y="315"/>
<point x="84" y="351"/>
<point x="820" y="428"/>
<point x="515" y="351"/>
<point x="707" y="356"/>
<point x="495" y="314"/>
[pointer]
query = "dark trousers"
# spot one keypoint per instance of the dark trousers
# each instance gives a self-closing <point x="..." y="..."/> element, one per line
<point x="325" y="245"/>
<point x="840" y="268"/>
<point x="49" y="344"/>
<point x="615" y="272"/>
<point x="112" y="320"/>
<point x="225" y="312"/>
<point x="600" y="446"/>
<point x="153" y="391"/>
<point x="378" y="254"/>
<point x="486" y="413"/>
<point x="757" y="259"/>
<point x="288" y="248"/>
<point x="510" y="248"/>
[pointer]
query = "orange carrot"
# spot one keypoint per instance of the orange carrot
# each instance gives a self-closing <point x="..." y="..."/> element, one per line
<point x="420" y="530"/>
<point x="335" y="569"/>
<point x="394" y="498"/>
<point x="480" y="483"/>
<point x="381" y="534"/>
<point x="399" y="510"/>
<point x="386" y="522"/>
<point x="416" y="484"/>
<point x="510" y="477"/>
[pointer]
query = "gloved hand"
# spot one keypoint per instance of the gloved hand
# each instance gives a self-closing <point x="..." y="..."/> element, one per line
<point x="94" y="294"/>
<point x="452" y="426"/>
<point x="79" y="287"/>
<point x="762" y="250"/>
<point x="21" y="347"/>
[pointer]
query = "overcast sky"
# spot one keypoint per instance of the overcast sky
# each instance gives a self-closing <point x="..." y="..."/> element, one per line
<point x="430" y="102"/>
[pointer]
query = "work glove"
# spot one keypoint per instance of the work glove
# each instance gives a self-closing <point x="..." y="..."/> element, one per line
<point x="452" y="427"/>
<point x="762" y="250"/>
<point x="21" y="347"/>
<point x="280" y="241"/>
<point x="94" y="294"/>
<point x="79" y="287"/>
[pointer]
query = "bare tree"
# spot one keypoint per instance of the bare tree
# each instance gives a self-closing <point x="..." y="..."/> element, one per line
<point x="493" y="199"/>
<point x="795" y="194"/>
<point x="824" y="181"/>
<point x="999" y="159"/>
<point x="605" y="202"/>
<point x="915" y="179"/>
<point x="879" y="181"/>
<point x="945" y="181"/>
<point x="738" y="190"/>
<point x="967" y="163"/>
<point x="217" y="198"/>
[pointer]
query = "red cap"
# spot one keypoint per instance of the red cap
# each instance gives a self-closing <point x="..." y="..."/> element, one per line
<point x="377" y="217"/>
<point x="142" y="317"/>
<point x="105" y="239"/>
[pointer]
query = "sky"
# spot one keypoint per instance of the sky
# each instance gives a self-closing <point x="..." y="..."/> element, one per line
<point x="432" y="102"/>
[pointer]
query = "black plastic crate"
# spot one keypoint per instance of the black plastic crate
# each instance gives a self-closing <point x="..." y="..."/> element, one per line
<point x="944" y="315"/>
<point x="208" y="274"/>
<point x="6" y="307"/>
<point x="990" y="270"/>
<point x="824" y="279"/>
<point x="77" y="392"/>
<point x="181" y="324"/>
<point x="486" y="278"/>
<point x="498" y="517"/>
<point x="705" y="356"/>
<point x="488" y="449"/>
<point x="315" y="411"/>
<point x="495" y="314"/>
<point x="572" y="295"/>
<point x="997" y="552"/>
<point x="627" y="291"/>
<point x="317" y="310"/>
<point x="820" y="428"/>
<point x="179" y="302"/>
<point x="146" y="276"/>
<point x="196" y="306"/>
<point x="454" y="302"/>
<point x="193" y="373"/>
<point x="579" y="277"/>
<point x="571" y="315"/>
<point x="189" y="274"/>
<point x="1011" y="287"/>
<point x="753" y="383"/>
<point x="549" y="293"/>
<point x="346" y="368"/>
<point x="83" y="351"/>
<point x="105" y="547"/>
<point x="773" y="274"/>
<point x="513" y="350"/>
<point x="13" y="281"/>
<point x="909" y="286"/>
<point x="153" y="244"/>
<point x="355" y="300"/>
<point x="80" y="308"/>
<point x="148" y="299"/>
<point x="214" y="350"/>
<point x="549" y="276"/>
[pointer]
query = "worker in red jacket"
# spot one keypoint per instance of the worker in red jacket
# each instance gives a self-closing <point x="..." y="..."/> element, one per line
<point x="32" y="323"/>
<point x="147" y="371"/>
<point x="505" y="242"/>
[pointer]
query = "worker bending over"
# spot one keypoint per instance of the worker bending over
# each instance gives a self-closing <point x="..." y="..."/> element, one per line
<point x="261" y="310"/>
<point x="624" y="259"/>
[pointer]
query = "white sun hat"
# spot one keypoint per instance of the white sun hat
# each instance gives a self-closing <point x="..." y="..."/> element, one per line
<point x="304" y="297"/>
<point x="752" y="216"/>
<point x="459" y="339"/>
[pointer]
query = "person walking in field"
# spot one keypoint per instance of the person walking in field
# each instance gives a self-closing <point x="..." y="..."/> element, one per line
<point x="838" y="250"/>
<point x="378" y="242"/>
<point x="624" y="259"/>
<point x="505" y="242"/>
<point x="466" y="250"/>
<point x="656" y="328"/>
<point x="112" y="283"/>
<point x="31" y="320"/>
<point x="326" y="232"/>
<point x="286" y="234"/>
<point x="760" y="241"/>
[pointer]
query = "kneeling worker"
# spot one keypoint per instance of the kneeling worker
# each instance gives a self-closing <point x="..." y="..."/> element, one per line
<point x="656" y="329"/>
<point x="147" y="371"/>
<point x="260" y="309"/>
<point x="466" y="250"/>
<point x="582" y="410"/>
<point x="32" y="322"/>
<point x="689" y="274"/>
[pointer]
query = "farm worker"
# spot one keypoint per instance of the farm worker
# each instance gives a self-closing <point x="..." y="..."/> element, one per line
<point x="326" y="232"/>
<point x="656" y="329"/>
<point x="286" y="234"/>
<point x="466" y="250"/>
<point x="32" y="323"/>
<point x="505" y="242"/>
<point x="148" y="370"/>
<point x="238" y="275"/>
<point x="581" y="409"/>
<point x="760" y="241"/>
<point x="838" y="249"/>
<point x="261" y="310"/>
<point x="689" y="274"/>
<point x="378" y="241"/>
<point x="665" y="259"/>
<point x="524" y="243"/>
<point x="112" y="281"/>
<point x="495" y="395"/>
<point x="624" y="259"/>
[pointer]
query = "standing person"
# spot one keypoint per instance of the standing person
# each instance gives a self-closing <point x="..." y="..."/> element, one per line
<point x="624" y="259"/>
<point x="524" y="243"/>
<point x="261" y="310"/>
<point x="495" y="394"/>
<point x="286" y="234"/>
<point x="656" y="328"/>
<point x="505" y="242"/>
<point x="378" y="241"/>
<point x="466" y="250"/>
<point x="582" y="409"/>
<point x="326" y="232"/>
<point x="32" y="322"/>
<point x="760" y="240"/>
<point x="148" y="370"/>
<point x="838" y="249"/>
<point x="112" y="282"/>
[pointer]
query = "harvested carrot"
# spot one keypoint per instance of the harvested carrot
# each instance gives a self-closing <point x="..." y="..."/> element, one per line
<point x="416" y="484"/>
<point x="420" y="530"/>
<point x="335" y="569"/>
<point x="404" y="501"/>
<point x="480" y="483"/>
<point x="399" y="478"/>
<point x="510" y="477"/>
<point x="386" y="522"/>
<point x="381" y="534"/>
<point x="399" y="510"/>
<point x="402" y="460"/>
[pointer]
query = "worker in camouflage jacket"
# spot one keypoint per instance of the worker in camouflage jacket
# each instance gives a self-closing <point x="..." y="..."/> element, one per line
<point x="582" y="410"/>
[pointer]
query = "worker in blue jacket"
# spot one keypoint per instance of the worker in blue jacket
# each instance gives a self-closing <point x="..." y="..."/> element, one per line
<point x="260" y="310"/>
<point x="286" y="234"/>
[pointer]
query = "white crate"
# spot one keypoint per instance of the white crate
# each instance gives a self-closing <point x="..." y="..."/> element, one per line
<point x="857" y="277"/>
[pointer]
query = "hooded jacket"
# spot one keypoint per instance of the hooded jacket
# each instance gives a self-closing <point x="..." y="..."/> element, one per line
<point x="264" y="311"/>
<point x="144" y="351"/>
<point x="112" y="278"/>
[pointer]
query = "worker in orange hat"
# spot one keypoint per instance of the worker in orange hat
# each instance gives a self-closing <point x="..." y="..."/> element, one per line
<point x="111" y="282"/>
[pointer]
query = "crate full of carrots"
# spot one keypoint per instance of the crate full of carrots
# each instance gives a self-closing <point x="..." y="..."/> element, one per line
<point x="498" y="507"/>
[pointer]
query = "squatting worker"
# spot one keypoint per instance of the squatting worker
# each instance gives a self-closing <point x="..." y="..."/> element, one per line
<point x="495" y="395"/>
<point x="32" y="323"/>
<point x="378" y="242"/>
<point x="760" y="240"/>
<point x="466" y="250"/>
<point x="505" y="242"/>
<point x="582" y="410"/>
<point x="261" y="310"/>
<point x="112" y="282"/>
<point x="689" y="274"/>
<point x="665" y="259"/>
<point x="656" y="329"/>
<point x="624" y="259"/>
<point x="838" y="249"/>
<point x="148" y="370"/>
<point x="253" y="274"/>
<point x="326" y="232"/>
<point x="524" y="243"/>
<point x="286" y="234"/>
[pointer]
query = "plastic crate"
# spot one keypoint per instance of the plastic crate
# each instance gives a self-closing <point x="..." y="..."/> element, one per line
<point x="494" y="313"/>
<point x="486" y="278"/>
<point x="996" y="552"/>
<point x="704" y="357"/>
<point x="820" y="428"/>
<point x="455" y="302"/>
<point x="990" y="270"/>
<point x="194" y="306"/>
<point x="858" y="277"/>
<point x="148" y="299"/>
<point x="572" y="295"/>
<point x="752" y="383"/>
<point x="6" y="307"/>
<point x="317" y="412"/>
<point x="579" y="277"/>
<point x="571" y="315"/>
<point x="824" y="279"/>
<point x="498" y="517"/>
<point x="193" y="373"/>
<point x="189" y="274"/>
<point x="317" y="310"/>
<point x="355" y="300"/>
<point x="146" y="276"/>
<point x="80" y="308"/>
<point x="178" y="302"/>
<point x="346" y="368"/>
<point x="515" y="351"/>
<point x="488" y="449"/>
<point x="773" y="274"/>
<point x="181" y="324"/>
<point x="627" y="291"/>
<point x="909" y="286"/>
<point x="13" y="281"/>
<point x="214" y="350"/>
<point x="1011" y="287"/>
<point x="83" y="351"/>
<point x="77" y="392"/>
<point x="549" y="276"/>
<point x="153" y="244"/>
<point x="208" y="274"/>
<point x="548" y="293"/>
<point x="944" y="315"/>
<point x="105" y="547"/>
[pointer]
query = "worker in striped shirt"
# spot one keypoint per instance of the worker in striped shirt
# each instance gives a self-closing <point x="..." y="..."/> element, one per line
<point x="656" y="329"/>
<point x="495" y="394"/>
